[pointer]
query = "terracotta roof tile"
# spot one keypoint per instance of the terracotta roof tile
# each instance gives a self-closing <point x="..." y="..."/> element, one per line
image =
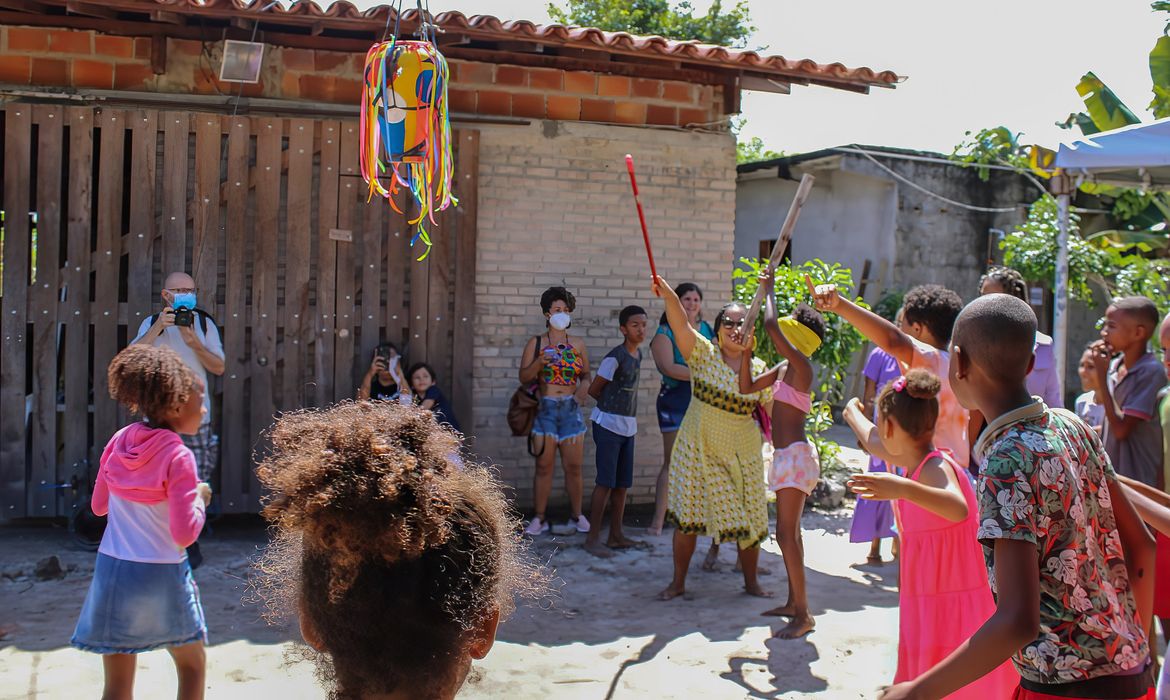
<point x="488" y="27"/>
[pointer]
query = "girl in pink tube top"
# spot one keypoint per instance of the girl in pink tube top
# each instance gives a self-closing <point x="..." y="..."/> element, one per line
<point x="795" y="468"/>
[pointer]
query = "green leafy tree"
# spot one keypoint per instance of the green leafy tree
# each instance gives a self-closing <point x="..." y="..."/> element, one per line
<point x="1130" y="258"/>
<point x="834" y="355"/>
<point x="754" y="150"/>
<point x="1118" y="265"/>
<point x="750" y="150"/>
<point x="658" y="17"/>
<point x="995" y="146"/>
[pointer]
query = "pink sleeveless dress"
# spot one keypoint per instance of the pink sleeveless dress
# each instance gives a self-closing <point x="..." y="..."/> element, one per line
<point x="944" y="596"/>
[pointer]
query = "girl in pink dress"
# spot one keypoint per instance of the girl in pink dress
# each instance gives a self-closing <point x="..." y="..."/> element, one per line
<point x="944" y="596"/>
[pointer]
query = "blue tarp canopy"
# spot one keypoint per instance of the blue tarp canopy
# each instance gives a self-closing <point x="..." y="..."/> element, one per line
<point x="1133" y="156"/>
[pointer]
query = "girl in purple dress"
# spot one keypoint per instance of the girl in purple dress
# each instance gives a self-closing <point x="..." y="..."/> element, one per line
<point x="874" y="520"/>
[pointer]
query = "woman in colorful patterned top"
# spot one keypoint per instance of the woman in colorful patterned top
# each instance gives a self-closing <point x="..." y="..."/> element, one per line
<point x="716" y="481"/>
<point x="559" y="364"/>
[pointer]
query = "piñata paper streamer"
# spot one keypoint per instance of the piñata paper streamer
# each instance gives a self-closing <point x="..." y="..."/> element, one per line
<point x="406" y="129"/>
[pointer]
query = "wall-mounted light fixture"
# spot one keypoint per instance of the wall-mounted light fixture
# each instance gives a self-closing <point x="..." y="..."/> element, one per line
<point x="242" y="61"/>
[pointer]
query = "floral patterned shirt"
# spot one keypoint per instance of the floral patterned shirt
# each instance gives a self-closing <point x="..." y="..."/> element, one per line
<point x="1045" y="481"/>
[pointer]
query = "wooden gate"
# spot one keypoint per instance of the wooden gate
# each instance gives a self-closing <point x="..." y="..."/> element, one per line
<point x="270" y="217"/>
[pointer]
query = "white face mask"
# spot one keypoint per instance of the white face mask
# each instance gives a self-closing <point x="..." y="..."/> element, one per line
<point x="560" y="320"/>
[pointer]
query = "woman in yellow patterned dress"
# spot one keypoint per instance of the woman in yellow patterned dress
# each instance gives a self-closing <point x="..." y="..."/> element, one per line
<point x="716" y="478"/>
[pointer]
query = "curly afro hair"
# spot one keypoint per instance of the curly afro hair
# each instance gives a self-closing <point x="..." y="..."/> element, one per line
<point x="915" y="407"/>
<point x="933" y="306"/>
<point x="390" y="550"/>
<point x="150" y="381"/>
<point x="554" y="294"/>
<point x="811" y="318"/>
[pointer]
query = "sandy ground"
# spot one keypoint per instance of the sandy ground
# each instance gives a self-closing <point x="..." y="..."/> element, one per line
<point x="600" y="634"/>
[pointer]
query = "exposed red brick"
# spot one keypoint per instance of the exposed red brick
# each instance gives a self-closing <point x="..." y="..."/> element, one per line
<point x="142" y="47"/>
<point x="21" y="39"/>
<point x="15" y="69"/>
<point x="290" y="85"/>
<point x="630" y="113"/>
<point x="613" y="86"/>
<point x="296" y="59"/>
<point x="66" y="41"/>
<point x="461" y="100"/>
<point x="693" y="116"/>
<point x="494" y="102"/>
<point x="133" y="76"/>
<point x="184" y="47"/>
<point x="657" y="114"/>
<point x="678" y="92"/>
<point x="50" y="71"/>
<point x="471" y="72"/>
<point x="511" y="75"/>
<point x="528" y="105"/>
<point x="329" y="60"/>
<point x="546" y="79"/>
<point x="113" y="46"/>
<point x="597" y="111"/>
<point x="647" y="88"/>
<point x="330" y="88"/>
<point x="93" y="74"/>
<point x="580" y="83"/>
<point x="204" y="82"/>
<point x="564" y="108"/>
<point x="252" y="89"/>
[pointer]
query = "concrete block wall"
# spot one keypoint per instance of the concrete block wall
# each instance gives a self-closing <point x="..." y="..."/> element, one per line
<point x="555" y="208"/>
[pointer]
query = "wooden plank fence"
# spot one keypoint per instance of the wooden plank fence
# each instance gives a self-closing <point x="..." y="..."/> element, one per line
<point x="269" y="215"/>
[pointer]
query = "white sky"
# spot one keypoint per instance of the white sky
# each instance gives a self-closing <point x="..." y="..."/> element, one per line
<point x="970" y="65"/>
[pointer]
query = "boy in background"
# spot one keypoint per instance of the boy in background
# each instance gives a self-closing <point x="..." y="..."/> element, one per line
<point x="1129" y="389"/>
<point x="615" y="388"/>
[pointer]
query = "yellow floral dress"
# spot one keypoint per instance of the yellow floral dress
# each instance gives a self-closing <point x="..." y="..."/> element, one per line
<point x="716" y="487"/>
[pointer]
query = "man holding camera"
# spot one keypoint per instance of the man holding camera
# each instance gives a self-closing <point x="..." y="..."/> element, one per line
<point x="192" y="333"/>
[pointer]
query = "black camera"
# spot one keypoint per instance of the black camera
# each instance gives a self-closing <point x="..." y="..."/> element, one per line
<point x="184" y="316"/>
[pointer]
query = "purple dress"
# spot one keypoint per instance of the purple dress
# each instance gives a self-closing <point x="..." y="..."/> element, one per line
<point x="875" y="519"/>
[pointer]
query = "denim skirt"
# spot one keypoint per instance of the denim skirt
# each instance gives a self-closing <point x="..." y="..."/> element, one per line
<point x="133" y="607"/>
<point x="672" y="406"/>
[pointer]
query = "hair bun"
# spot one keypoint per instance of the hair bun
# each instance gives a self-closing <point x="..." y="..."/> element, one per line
<point x="921" y="384"/>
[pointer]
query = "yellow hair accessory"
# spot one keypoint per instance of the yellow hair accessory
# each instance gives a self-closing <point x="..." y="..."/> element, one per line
<point x="801" y="336"/>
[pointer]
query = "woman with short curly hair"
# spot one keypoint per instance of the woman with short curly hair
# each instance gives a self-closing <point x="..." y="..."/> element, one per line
<point x="558" y="364"/>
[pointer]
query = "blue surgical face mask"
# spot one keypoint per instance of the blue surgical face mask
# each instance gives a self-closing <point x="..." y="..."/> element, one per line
<point x="185" y="300"/>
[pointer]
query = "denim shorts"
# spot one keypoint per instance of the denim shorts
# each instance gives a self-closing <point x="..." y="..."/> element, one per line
<point x="560" y="417"/>
<point x="615" y="458"/>
<point x="134" y="607"/>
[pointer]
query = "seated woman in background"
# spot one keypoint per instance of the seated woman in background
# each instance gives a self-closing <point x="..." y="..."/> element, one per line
<point x="422" y="381"/>
<point x="384" y="380"/>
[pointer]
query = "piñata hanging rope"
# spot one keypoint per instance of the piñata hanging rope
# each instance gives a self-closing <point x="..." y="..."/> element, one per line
<point x="405" y="125"/>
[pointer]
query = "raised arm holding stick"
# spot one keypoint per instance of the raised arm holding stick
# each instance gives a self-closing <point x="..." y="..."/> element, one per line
<point x="802" y="192"/>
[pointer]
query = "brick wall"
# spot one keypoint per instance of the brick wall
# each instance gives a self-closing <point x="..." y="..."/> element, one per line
<point x="84" y="59"/>
<point x="555" y="208"/>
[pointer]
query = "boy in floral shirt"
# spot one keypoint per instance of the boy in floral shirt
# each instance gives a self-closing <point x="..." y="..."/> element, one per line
<point x="1056" y="531"/>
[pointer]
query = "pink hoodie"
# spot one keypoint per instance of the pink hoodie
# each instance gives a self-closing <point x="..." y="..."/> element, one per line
<point x="151" y="465"/>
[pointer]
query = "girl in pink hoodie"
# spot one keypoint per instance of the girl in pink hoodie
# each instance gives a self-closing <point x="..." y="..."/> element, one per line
<point x="143" y="595"/>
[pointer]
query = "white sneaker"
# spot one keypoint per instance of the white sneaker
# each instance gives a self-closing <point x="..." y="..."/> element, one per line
<point x="536" y="526"/>
<point x="580" y="525"/>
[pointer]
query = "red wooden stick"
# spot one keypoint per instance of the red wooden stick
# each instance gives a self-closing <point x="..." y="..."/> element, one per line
<point x="641" y="216"/>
